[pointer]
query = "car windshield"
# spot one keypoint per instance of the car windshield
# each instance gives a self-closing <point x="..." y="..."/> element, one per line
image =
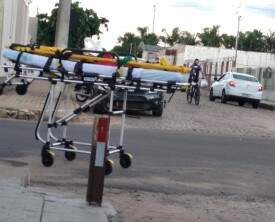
<point x="246" y="78"/>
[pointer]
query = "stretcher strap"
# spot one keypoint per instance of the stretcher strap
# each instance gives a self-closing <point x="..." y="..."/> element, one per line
<point x="47" y="65"/>
<point x="170" y="88"/>
<point x="17" y="64"/>
<point x="78" y="68"/>
<point x="129" y="76"/>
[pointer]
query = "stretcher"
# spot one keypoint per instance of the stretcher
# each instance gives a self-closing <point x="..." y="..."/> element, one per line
<point x="58" y="70"/>
<point x="79" y="55"/>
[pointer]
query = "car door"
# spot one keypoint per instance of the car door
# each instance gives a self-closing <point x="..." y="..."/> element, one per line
<point x="223" y="82"/>
<point x="218" y="85"/>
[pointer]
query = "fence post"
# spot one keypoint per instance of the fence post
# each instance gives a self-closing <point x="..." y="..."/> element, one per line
<point x="97" y="160"/>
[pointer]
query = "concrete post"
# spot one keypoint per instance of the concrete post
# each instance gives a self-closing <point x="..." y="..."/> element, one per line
<point x="63" y="23"/>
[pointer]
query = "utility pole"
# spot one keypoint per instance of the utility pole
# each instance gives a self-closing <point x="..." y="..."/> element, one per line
<point x="63" y="23"/>
<point x="154" y="17"/>
<point x="61" y="39"/>
<point x="237" y="40"/>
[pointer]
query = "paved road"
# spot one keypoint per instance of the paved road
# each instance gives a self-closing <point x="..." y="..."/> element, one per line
<point x="165" y="161"/>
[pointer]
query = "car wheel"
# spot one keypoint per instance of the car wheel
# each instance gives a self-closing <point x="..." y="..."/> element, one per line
<point x="211" y="96"/>
<point x="241" y="103"/>
<point x="255" y="105"/>
<point x="223" y="98"/>
<point x="158" y="112"/>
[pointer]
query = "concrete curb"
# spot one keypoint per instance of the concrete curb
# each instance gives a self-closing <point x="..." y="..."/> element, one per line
<point x="25" y="114"/>
<point x="267" y="106"/>
<point x="22" y="114"/>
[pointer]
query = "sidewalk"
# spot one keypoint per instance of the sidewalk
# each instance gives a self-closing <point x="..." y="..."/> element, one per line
<point x="29" y="204"/>
<point x="24" y="205"/>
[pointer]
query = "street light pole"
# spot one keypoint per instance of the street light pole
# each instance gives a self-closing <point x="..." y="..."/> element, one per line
<point x="237" y="40"/>
<point x="154" y="17"/>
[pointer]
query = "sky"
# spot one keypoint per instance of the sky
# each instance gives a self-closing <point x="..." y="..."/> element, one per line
<point x="189" y="15"/>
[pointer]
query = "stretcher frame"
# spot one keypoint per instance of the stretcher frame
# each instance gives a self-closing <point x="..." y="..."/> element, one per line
<point x="21" y="84"/>
<point x="71" y="147"/>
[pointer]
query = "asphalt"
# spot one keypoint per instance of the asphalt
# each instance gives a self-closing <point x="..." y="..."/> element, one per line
<point x="166" y="161"/>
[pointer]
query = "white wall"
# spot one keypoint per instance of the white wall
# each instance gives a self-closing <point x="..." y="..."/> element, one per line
<point x="14" y="25"/>
<point x="245" y="59"/>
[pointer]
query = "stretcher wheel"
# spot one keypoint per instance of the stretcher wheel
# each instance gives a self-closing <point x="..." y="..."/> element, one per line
<point x="125" y="160"/>
<point x="21" y="89"/>
<point x="47" y="157"/>
<point x="70" y="156"/>
<point x="109" y="166"/>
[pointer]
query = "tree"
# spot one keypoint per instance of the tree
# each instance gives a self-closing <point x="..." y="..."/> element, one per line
<point x="83" y="23"/>
<point x="228" y="41"/>
<point x="187" y="38"/>
<point x="129" y="42"/>
<point x="270" y="42"/>
<point x="210" y="36"/>
<point x="253" y="41"/>
<point x="177" y="36"/>
<point x="171" y="39"/>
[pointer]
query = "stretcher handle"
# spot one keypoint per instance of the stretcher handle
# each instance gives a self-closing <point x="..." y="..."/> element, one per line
<point x="81" y="51"/>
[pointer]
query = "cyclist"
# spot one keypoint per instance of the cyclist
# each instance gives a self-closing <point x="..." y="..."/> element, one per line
<point x="195" y="72"/>
<point x="194" y="91"/>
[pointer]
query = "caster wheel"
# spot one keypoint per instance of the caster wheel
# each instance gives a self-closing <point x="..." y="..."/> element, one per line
<point x="21" y="89"/>
<point x="125" y="160"/>
<point x="47" y="157"/>
<point x="70" y="156"/>
<point x="109" y="167"/>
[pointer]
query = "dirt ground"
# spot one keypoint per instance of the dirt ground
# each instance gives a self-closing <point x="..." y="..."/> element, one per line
<point x="157" y="207"/>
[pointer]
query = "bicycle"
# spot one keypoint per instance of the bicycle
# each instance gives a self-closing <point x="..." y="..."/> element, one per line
<point x="193" y="91"/>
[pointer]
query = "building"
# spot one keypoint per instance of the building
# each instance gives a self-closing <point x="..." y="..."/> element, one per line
<point x="151" y="53"/>
<point x="14" y="23"/>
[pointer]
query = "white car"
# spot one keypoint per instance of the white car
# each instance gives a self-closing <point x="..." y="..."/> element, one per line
<point x="233" y="86"/>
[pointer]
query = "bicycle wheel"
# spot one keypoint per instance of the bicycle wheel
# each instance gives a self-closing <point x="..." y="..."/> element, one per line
<point x="197" y="95"/>
<point x="189" y="96"/>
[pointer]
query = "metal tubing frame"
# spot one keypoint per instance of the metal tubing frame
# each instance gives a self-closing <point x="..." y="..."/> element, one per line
<point x="49" y="103"/>
<point x="99" y="81"/>
<point x="123" y="118"/>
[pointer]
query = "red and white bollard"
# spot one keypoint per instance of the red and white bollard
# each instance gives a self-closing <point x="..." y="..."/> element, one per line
<point x="98" y="160"/>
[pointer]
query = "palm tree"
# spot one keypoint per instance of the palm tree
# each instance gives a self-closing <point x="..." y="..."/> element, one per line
<point x="171" y="39"/>
<point x="143" y="31"/>
<point x="270" y="42"/>
<point x="210" y="36"/>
